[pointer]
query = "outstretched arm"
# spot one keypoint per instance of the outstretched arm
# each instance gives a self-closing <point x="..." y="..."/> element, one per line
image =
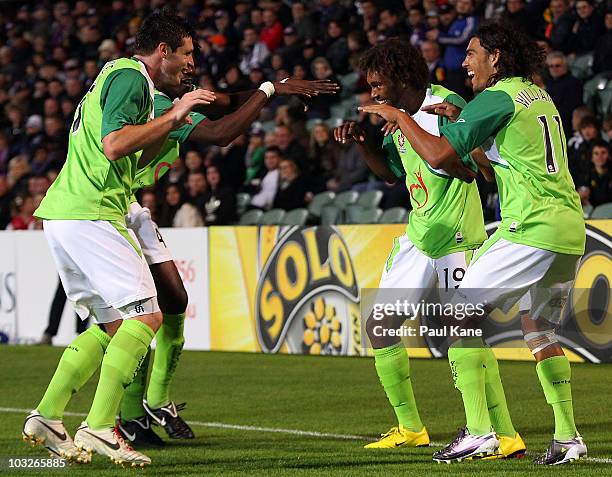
<point x="436" y="151"/>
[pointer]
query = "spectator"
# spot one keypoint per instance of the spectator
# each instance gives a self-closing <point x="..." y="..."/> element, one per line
<point x="267" y="186"/>
<point x="289" y="147"/>
<point x="148" y="199"/>
<point x="351" y="169"/>
<point x="196" y="187"/>
<point x="322" y="156"/>
<point x="254" y="158"/>
<point x="587" y="29"/>
<point x="272" y="32"/>
<point x="6" y="200"/>
<point x="596" y="188"/>
<point x="23" y="219"/>
<point x="558" y="31"/>
<point x="291" y="49"/>
<point x="522" y="17"/>
<point x="319" y="105"/>
<point x="455" y="41"/>
<point x="219" y="200"/>
<point x="253" y="52"/>
<point x="302" y="22"/>
<point x="175" y="212"/>
<point x="390" y="25"/>
<point x="224" y="27"/>
<point x="416" y="20"/>
<point x="564" y="89"/>
<point x="291" y="193"/>
<point x="337" y="51"/>
<point x="230" y="162"/>
<point x="602" y="56"/>
<point x="431" y="52"/>
<point x="369" y="15"/>
<point x="579" y="158"/>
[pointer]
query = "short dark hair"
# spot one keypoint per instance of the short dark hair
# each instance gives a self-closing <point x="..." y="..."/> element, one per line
<point x="162" y="26"/>
<point x="519" y="55"/>
<point x="398" y="60"/>
<point x="275" y="149"/>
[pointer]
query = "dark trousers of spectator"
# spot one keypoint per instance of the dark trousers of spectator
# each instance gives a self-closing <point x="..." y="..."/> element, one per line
<point x="55" y="314"/>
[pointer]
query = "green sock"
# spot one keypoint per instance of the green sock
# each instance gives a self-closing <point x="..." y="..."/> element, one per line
<point x="555" y="376"/>
<point x="131" y="405"/>
<point x="77" y="365"/>
<point x="393" y="368"/>
<point x="468" y="368"/>
<point x="124" y="355"/>
<point x="496" y="398"/>
<point x="168" y="349"/>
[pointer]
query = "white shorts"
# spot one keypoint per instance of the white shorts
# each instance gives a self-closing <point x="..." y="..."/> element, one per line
<point x="151" y="242"/>
<point x="409" y="268"/>
<point x="101" y="268"/>
<point x="504" y="273"/>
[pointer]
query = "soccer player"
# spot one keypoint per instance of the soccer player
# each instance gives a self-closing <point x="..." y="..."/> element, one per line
<point x="136" y="412"/>
<point x="520" y="130"/>
<point x="99" y="261"/>
<point x="446" y="225"/>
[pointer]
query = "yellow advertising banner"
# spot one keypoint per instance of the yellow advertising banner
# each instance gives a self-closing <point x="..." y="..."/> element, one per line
<point x="298" y="289"/>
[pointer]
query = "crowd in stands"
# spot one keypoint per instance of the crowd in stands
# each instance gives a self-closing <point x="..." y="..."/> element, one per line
<point x="51" y="52"/>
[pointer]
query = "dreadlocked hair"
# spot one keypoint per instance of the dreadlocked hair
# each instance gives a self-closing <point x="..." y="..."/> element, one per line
<point x="399" y="61"/>
<point x="518" y="54"/>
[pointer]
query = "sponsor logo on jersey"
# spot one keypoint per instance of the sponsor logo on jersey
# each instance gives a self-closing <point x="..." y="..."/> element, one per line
<point x="401" y="141"/>
<point x="307" y="298"/>
<point x="418" y="197"/>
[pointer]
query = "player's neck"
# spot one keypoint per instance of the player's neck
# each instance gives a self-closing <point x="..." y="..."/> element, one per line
<point x="411" y="100"/>
<point x="152" y="65"/>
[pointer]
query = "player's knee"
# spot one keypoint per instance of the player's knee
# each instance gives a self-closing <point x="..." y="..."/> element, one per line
<point x="174" y="301"/>
<point x="540" y="340"/>
<point x="378" y="331"/>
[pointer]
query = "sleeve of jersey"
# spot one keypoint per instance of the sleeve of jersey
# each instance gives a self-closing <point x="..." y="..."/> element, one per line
<point x="443" y="121"/>
<point x="124" y="98"/>
<point x="482" y="118"/>
<point x="393" y="159"/>
<point x="162" y="104"/>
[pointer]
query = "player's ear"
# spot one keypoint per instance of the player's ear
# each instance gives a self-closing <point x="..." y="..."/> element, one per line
<point x="163" y="50"/>
<point x="494" y="58"/>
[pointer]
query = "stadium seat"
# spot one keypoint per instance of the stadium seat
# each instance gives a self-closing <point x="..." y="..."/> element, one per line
<point x="591" y="88"/>
<point x="343" y="199"/>
<point x="370" y="199"/>
<point x="370" y="216"/>
<point x="586" y="210"/>
<point x="603" y="211"/>
<point x="273" y="217"/>
<point x="295" y="217"/>
<point x="581" y="66"/>
<point x="394" y="215"/>
<point x="352" y="214"/>
<point x="242" y="201"/>
<point x="318" y="201"/>
<point x="251" y="217"/>
<point x="348" y="83"/>
<point x="330" y="215"/>
<point x="605" y="99"/>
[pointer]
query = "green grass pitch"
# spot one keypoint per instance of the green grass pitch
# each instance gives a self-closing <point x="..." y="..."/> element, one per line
<point x="339" y="396"/>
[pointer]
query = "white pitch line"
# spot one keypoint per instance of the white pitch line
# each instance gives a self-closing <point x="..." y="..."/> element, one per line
<point x="294" y="432"/>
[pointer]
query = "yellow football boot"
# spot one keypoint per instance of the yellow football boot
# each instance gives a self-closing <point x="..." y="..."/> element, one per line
<point x="509" y="448"/>
<point x="400" y="437"/>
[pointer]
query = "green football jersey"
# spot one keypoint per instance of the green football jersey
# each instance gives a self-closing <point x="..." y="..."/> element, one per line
<point x="149" y="175"/>
<point x="90" y="186"/>
<point x="446" y="214"/>
<point x="519" y="127"/>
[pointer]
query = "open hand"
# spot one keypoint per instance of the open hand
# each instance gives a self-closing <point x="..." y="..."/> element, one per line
<point x="445" y="109"/>
<point x="183" y="106"/>
<point x="385" y="111"/>
<point x="305" y="88"/>
<point x="349" y="131"/>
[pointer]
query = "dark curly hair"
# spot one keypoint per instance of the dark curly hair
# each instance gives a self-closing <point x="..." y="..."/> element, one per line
<point x="398" y="60"/>
<point x="163" y="26"/>
<point x="519" y="55"/>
